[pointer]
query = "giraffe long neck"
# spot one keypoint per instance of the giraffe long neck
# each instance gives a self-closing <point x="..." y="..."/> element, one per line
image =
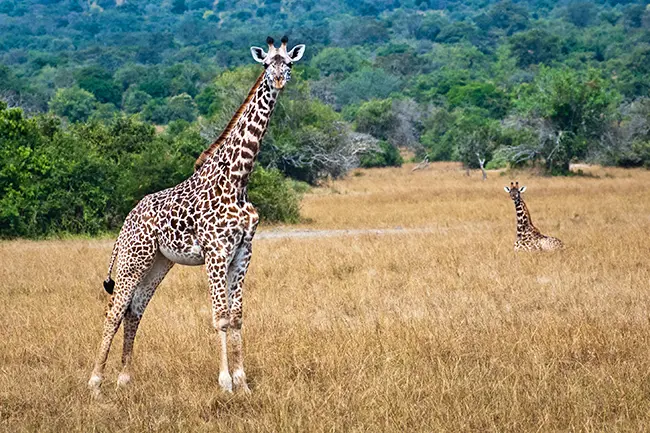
<point x="234" y="152"/>
<point x="524" y="222"/>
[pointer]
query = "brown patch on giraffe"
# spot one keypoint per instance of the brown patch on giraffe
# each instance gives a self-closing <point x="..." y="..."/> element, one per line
<point x="228" y="129"/>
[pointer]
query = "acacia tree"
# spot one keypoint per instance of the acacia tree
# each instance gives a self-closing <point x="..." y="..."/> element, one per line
<point x="568" y="110"/>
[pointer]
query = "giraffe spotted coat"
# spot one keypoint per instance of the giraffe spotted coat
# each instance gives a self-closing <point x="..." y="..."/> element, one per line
<point x="206" y="219"/>
<point x="529" y="238"/>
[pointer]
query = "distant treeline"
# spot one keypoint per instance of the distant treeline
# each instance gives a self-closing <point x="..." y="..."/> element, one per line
<point x="515" y="83"/>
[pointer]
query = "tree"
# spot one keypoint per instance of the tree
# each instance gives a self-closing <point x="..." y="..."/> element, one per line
<point x="182" y="107"/>
<point x="178" y="6"/>
<point x="475" y="137"/>
<point x="366" y="84"/>
<point x="436" y="125"/>
<point x="274" y="196"/>
<point x="19" y="137"/>
<point x="508" y="16"/>
<point x="483" y="95"/>
<point x="581" y="14"/>
<point x="376" y="118"/>
<point x="208" y="101"/>
<point x="569" y="110"/>
<point x="99" y="82"/>
<point x="135" y="100"/>
<point x="627" y="143"/>
<point x="338" y="62"/>
<point x="73" y="103"/>
<point x="430" y="27"/>
<point x="386" y="156"/>
<point x="534" y="46"/>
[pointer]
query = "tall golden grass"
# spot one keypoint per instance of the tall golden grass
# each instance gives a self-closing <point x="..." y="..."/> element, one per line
<point x="441" y="330"/>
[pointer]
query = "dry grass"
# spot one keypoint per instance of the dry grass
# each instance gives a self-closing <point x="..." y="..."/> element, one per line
<point x="443" y="330"/>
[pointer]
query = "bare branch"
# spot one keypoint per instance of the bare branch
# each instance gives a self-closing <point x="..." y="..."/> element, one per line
<point x="422" y="165"/>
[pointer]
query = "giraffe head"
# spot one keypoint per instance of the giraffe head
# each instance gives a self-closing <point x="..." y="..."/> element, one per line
<point x="278" y="61"/>
<point x="514" y="190"/>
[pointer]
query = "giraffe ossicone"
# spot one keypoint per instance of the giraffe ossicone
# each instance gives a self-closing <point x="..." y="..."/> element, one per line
<point x="206" y="219"/>
<point x="529" y="238"/>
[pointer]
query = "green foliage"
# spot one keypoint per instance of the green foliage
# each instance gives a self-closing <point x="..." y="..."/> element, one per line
<point x="337" y="62"/>
<point x="575" y="108"/>
<point x="475" y="137"/>
<point x="430" y="27"/>
<point x="437" y="125"/>
<point x="463" y="135"/>
<point x="135" y="100"/>
<point x="445" y="79"/>
<point x="433" y="87"/>
<point x="579" y="103"/>
<point x="208" y="101"/>
<point x="507" y="16"/>
<point x="73" y="103"/>
<point x="581" y="14"/>
<point x="366" y="84"/>
<point x="535" y="46"/>
<point x="376" y="118"/>
<point x="482" y="95"/>
<point x="164" y="111"/>
<point x="387" y="156"/>
<point x="100" y="83"/>
<point x="274" y="196"/>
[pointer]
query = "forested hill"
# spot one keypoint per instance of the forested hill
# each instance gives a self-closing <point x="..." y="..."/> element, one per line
<point x="509" y="82"/>
<point x="417" y="49"/>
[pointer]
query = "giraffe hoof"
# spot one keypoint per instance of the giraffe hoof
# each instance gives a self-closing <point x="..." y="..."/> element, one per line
<point x="239" y="380"/>
<point x="94" y="385"/>
<point x="94" y="382"/>
<point x="123" y="380"/>
<point x="225" y="382"/>
<point x="96" y="393"/>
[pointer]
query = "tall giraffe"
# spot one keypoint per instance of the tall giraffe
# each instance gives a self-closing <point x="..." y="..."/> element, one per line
<point x="206" y="219"/>
<point x="529" y="237"/>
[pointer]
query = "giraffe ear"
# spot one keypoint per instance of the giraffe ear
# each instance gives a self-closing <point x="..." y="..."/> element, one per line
<point x="522" y="189"/>
<point x="296" y="53"/>
<point x="506" y="189"/>
<point x="258" y="54"/>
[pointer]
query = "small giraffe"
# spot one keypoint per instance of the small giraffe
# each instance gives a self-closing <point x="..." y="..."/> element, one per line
<point x="529" y="238"/>
<point x="206" y="219"/>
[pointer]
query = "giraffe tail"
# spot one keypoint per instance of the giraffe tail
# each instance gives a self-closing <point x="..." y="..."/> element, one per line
<point x="109" y="284"/>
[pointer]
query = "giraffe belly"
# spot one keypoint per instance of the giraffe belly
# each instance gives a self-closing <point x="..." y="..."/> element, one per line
<point x="192" y="256"/>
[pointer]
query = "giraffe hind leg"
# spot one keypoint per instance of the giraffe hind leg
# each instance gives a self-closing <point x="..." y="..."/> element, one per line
<point x="142" y="295"/>
<point x="128" y="278"/>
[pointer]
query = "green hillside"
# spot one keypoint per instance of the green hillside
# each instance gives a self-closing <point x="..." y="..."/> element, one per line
<point x="511" y="83"/>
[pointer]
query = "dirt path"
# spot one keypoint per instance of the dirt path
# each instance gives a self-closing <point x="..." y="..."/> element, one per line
<point x="311" y="234"/>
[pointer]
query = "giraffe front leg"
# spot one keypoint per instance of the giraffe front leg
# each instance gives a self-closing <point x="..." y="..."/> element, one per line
<point x="216" y="266"/>
<point x="236" y="274"/>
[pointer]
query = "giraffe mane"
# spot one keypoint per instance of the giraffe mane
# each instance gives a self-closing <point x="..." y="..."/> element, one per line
<point x="228" y="129"/>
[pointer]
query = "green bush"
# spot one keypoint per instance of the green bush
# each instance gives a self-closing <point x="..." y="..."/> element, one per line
<point x="388" y="156"/>
<point x="274" y="196"/>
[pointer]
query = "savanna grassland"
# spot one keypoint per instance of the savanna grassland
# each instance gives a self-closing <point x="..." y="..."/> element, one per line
<point x="443" y="328"/>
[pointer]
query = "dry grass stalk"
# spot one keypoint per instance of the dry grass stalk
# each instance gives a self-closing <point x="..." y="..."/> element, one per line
<point x="442" y="330"/>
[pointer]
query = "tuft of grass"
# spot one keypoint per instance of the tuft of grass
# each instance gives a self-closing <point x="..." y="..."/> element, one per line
<point x="443" y="330"/>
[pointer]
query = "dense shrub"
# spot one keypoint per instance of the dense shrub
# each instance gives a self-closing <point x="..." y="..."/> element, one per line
<point x="274" y="196"/>
<point x="387" y="156"/>
<point x="87" y="177"/>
